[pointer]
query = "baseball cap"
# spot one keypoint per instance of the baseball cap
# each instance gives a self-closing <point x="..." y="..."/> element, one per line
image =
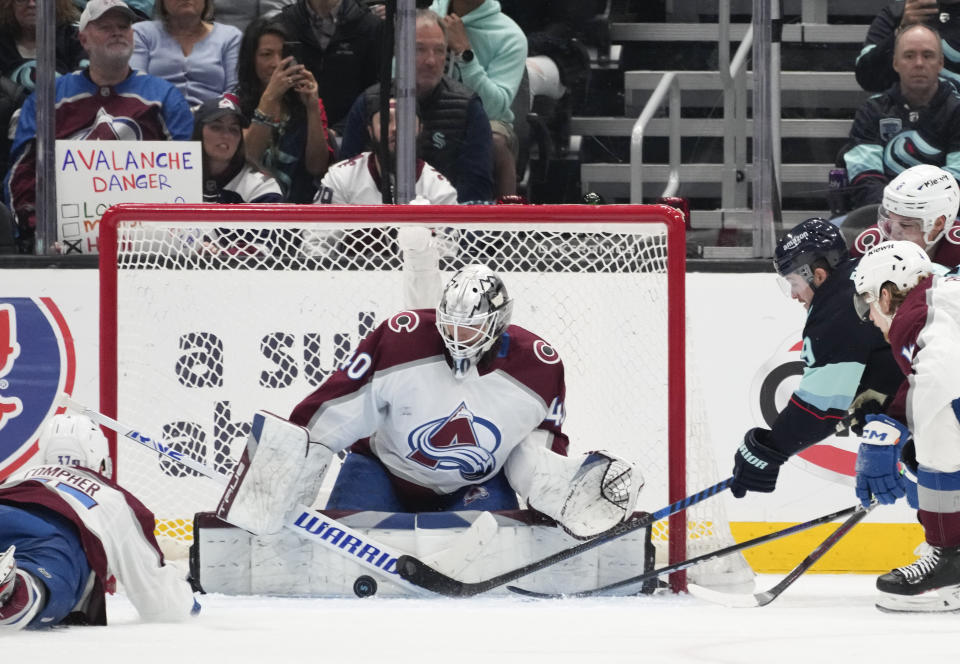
<point x="218" y="107"/>
<point x="97" y="8"/>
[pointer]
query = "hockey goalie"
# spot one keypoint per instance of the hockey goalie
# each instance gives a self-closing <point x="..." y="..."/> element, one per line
<point x="450" y="410"/>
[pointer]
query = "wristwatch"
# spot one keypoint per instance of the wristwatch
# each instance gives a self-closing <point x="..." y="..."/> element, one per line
<point x="466" y="56"/>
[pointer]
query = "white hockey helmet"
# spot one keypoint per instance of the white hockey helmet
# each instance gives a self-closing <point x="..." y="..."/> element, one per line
<point x="474" y="311"/>
<point x="75" y="440"/>
<point x="923" y="192"/>
<point x="901" y="263"/>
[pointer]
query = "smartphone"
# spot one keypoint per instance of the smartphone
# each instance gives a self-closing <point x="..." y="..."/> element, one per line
<point x="291" y="48"/>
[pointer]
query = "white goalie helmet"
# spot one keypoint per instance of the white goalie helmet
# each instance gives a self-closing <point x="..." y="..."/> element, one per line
<point x="75" y="440"/>
<point x="901" y="263"/>
<point x="924" y="193"/>
<point x="474" y="311"/>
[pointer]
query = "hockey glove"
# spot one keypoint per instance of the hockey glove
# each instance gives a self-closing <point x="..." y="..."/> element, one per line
<point x="878" y="473"/>
<point x="755" y="465"/>
<point x="868" y="402"/>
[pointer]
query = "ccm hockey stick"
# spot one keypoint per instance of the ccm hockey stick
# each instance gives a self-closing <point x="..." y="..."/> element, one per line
<point x="747" y="600"/>
<point x="306" y="522"/>
<point x="634" y="584"/>
<point x="419" y="573"/>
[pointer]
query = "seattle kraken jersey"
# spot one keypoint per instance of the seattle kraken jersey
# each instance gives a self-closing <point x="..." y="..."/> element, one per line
<point x="843" y="357"/>
<point x="116" y="532"/>
<point x="426" y="426"/>
<point x="888" y="137"/>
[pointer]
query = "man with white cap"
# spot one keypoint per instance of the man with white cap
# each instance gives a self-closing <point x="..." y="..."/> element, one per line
<point x="106" y="101"/>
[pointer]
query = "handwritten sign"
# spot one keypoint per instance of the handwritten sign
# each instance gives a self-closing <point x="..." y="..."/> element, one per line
<point x="93" y="175"/>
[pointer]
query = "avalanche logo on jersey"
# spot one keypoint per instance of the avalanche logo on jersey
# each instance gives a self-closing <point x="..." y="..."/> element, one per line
<point x="37" y="363"/>
<point x="462" y="441"/>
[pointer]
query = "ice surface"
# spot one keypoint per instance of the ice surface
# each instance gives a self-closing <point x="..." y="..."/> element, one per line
<point x="821" y="619"/>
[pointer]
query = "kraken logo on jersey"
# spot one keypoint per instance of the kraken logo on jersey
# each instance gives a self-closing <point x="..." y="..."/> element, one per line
<point x="909" y="149"/>
<point x="462" y="441"/>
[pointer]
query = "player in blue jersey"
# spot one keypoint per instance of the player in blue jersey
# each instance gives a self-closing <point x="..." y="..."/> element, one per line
<point x="846" y="361"/>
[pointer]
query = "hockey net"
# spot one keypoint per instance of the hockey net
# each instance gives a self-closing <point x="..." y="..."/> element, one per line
<point x="209" y="313"/>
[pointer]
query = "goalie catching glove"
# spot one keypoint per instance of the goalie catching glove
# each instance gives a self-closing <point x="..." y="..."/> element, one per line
<point x="878" y="472"/>
<point x="585" y="495"/>
<point x="279" y="469"/>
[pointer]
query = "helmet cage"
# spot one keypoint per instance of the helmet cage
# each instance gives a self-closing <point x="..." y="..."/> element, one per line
<point x="473" y="312"/>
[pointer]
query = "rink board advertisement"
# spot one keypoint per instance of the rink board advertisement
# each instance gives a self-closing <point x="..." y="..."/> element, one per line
<point x="743" y="356"/>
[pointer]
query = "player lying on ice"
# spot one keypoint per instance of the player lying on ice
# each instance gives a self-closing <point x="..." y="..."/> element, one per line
<point x="899" y="289"/>
<point x="453" y="408"/>
<point x="68" y="534"/>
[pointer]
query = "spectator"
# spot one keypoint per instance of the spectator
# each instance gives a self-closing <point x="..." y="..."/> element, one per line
<point x="18" y="41"/>
<point x="187" y="48"/>
<point x="11" y="99"/>
<point x="455" y="132"/>
<point x="239" y="13"/>
<point x="227" y="177"/>
<point x="105" y="101"/>
<point x="916" y="121"/>
<point x="874" y="66"/>
<point x="288" y="135"/>
<point x="489" y="56"/>
<point x="339" y="42"/>
<point x="356" y="181"/>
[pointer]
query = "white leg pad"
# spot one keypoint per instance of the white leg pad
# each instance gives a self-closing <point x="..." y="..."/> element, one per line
<point x="279" y="468"/>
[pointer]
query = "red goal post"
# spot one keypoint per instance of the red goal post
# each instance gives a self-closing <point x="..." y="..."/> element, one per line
<point x="603" y="284"/>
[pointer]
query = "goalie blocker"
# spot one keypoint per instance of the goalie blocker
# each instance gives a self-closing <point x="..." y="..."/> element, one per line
<point x="279" y="469"/>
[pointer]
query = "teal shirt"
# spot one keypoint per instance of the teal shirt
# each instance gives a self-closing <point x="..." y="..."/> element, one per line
<point x="500" y="50"/>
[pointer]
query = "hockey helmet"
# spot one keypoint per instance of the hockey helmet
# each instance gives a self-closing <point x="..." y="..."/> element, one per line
<point x="806" y="242"/>
<point x="901" y="263"/>
<point x="74" y="440"/>
<point x="474" y="311"/>
<point x="924" y="193"/>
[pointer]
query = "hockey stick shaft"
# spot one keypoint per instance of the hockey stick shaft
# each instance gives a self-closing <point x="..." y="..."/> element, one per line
<point x="767" y="596"/>
<point x="421" y="574"/>
<point x="690" y="562"/>
<point x="304" y="521"/>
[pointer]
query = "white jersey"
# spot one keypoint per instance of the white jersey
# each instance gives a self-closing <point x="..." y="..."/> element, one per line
<point x="426" y="426"/>
<point x="356" y="181"/>
<point x="925" y="340"/>
<point x="116" y="532"/>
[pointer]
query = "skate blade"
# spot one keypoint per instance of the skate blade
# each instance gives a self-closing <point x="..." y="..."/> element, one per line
<point x="941" y="600"/>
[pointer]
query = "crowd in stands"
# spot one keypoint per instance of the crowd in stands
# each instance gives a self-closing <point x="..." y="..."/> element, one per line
<point x="297" y="80"/>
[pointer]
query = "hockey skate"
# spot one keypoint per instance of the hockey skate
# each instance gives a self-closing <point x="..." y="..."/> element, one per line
<point x="930" y="584"/>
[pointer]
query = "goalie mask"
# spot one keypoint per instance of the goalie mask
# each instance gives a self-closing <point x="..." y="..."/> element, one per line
<point x="919" y="196"/>
<point x="74" y="440"/>
<point x="902" y="264"/>
<point x="474" y="311"/>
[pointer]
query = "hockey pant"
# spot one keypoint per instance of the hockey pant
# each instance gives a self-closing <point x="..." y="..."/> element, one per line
<point x="365" y="484"/>
<point x="49" y="548"/>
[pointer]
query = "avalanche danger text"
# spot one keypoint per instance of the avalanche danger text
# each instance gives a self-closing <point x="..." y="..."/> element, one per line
<point x="124" y="171"/>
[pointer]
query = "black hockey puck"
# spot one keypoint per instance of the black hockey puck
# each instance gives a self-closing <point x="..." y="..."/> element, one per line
<point x="364" y="586"/>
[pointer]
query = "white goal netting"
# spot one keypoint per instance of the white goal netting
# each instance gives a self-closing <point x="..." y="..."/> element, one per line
<point x="221" y="313"/>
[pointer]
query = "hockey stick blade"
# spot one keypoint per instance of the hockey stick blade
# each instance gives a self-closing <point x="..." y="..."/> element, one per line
<point x="419" y="573"/>
<point x="750" y="600"/>
<point x="634" y="584"/>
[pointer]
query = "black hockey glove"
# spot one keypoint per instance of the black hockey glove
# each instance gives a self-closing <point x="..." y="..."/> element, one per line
<point x="756" y="466"/>
<point x="868" y="402"/>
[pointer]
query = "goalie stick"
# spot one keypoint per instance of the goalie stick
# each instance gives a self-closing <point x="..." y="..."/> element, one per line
<point x="636" y="582"/>
<point x="306" y="522"/>
<point x="419" y="573"/>
<point x="748" y="600"/>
